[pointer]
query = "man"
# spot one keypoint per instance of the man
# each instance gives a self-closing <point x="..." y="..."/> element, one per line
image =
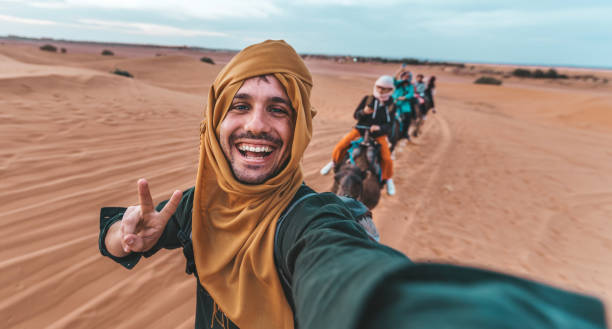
<point x="260" y="265"/>
<point x="375" y="112"/>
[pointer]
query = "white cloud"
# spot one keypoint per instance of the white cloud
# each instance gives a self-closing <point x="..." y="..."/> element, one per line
<point x="362" y="3"/>
<point x="146" y="28"/>
<point x="124" y="27"/>
<point x="204" y="9"/>
<point x="49" y="4"/>
<point x="21" y="20"/>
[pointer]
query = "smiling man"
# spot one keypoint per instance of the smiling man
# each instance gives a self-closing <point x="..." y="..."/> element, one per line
<point x="268" y="252"/>
<point x="257" y="131"/>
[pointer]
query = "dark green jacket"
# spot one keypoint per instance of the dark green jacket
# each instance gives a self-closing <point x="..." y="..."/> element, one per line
<point x="339" y="278"/>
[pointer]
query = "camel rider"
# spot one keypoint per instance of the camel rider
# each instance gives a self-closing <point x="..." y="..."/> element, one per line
<point x="404" y="96"/>
<point x="420" y="85"/>
<point x="377" y="112"/>
<point x="419" y="93"/>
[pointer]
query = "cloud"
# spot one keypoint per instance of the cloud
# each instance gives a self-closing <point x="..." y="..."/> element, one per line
<point x="203" y="9"/>
<point x="358" y="3"/>
<point x="123" y="27"/>
<point x="49" y="4"/>
<point x="30" y="21"/>
<point x="146" y="28"/>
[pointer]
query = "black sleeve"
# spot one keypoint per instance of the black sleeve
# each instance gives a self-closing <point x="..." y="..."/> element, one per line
<point x="358" y="115"/>
<point x="168" y="239"/>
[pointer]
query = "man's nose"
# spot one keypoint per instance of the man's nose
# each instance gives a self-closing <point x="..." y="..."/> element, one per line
<point x="257" y="120"/>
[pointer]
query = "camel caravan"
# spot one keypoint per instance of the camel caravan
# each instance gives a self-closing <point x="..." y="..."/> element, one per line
<point x="362" y="160"/>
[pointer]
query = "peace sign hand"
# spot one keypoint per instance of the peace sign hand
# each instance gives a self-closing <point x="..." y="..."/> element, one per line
<point x="142" y="226"/>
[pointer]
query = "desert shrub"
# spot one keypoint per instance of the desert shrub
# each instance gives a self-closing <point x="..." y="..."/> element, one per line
<point x="522" y="73"/>
<point x="50" y="48"/>
<point x="63" y="50"/>
<point x="539" y="74"/>
<point x="488" y="81"/>
<point x="123" y="73"/>
<point x="551" y="74"/>
<point x="207" y="60"/>
<point x="107" y="52"/>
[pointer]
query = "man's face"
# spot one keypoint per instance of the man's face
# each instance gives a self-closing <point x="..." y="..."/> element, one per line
<point x="419" y="78"/>
<point x="257" y="131"/>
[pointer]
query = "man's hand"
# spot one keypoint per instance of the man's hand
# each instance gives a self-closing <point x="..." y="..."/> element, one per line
<point x="374" y="128"/>
<point x="368" y="110"/>
<point x="141" y="226"/>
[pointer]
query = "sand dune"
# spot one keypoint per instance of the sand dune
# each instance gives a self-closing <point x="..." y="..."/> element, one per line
<point x="516" y="178"/>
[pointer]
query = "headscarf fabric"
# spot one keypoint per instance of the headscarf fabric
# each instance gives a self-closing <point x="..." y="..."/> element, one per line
<point x="234" y="223"/>
<point x="384" y="81"/>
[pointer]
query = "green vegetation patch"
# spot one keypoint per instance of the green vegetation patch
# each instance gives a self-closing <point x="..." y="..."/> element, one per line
<point x="488" y="81"/>
<point x="107" y="52"/>
<point x="50" y="48"/>
<point x="207" y="60"/>
<point x="123" y="73"/>
<point x="538" y="74"/>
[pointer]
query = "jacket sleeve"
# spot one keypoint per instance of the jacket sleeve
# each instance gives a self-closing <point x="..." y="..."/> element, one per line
<point x="342" y="279"/>
<point x="168" y="239"/>
<point x="358" y="115"/>
<point x="325" y="250"/>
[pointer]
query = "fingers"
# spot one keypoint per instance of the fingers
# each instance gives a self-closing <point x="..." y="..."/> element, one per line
<point x="130" y="220"/>
<point x="171" y="206"/>
<point x="132" y="243"/>
<point x="144" y="196"/>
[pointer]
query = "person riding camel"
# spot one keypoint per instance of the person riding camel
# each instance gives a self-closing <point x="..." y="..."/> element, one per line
<point x="376" y="112"/>
<point x="419" y="88"/>
<point x="429" y="95"/>
<point x="404" y="97"/>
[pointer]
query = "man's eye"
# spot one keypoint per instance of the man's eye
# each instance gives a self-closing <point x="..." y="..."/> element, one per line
<point x="239" y="107"/>
<point x="279" y="110"/>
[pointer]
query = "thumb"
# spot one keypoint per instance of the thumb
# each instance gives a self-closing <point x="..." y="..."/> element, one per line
<point x="171" y="206"/>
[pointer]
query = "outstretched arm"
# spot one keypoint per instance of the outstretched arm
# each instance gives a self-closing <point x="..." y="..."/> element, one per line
<point x="399" y="71"/>
<point x="141" y="225"/>
<point x="368" y="285"/>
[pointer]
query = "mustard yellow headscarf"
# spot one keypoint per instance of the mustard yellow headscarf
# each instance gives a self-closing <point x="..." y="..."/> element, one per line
<point x="234" y="223"/>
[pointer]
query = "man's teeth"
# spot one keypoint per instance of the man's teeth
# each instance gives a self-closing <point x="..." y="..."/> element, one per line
<point x="256" y="149"/>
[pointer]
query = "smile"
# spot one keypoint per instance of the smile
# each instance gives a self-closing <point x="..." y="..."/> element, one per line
<point x="251" y="151"/>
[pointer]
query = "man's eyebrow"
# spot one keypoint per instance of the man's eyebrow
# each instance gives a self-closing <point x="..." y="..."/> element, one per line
<point x="242" y="96"/>
<point x="280" y="100"/>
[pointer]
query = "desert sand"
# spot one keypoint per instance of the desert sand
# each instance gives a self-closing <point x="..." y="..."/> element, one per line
<point x="516" y="178"/>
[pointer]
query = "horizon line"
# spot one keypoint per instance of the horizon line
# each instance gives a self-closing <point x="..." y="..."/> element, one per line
<point x="393" y="58"/>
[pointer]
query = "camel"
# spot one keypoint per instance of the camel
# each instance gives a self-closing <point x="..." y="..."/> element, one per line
<point x="358" y="175"/>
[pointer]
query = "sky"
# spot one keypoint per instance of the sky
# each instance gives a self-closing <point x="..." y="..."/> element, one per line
<point x="539" y="32"/>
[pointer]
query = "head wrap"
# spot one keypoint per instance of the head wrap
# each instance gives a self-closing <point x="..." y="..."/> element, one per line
<point x="234" y="223"/>
<point x="384" y="81"/>
<point x="406" y="76"/>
